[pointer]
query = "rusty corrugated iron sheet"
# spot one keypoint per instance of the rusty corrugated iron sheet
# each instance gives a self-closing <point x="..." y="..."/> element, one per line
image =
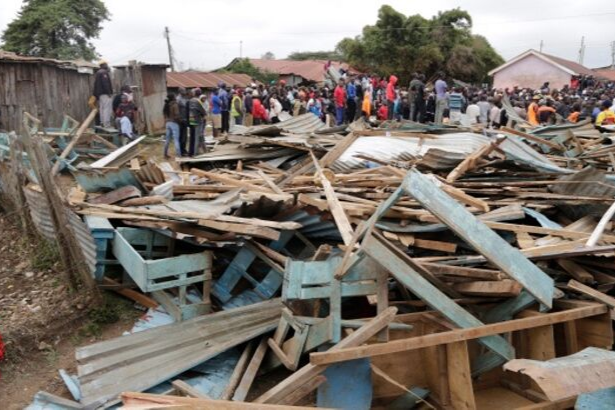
<point x="192" y="79"/>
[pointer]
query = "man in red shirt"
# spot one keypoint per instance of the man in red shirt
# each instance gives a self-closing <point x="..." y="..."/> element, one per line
<point x="339" y="95"/>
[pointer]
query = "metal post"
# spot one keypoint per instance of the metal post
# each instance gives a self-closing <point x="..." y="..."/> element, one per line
<point x="241" y="49"/>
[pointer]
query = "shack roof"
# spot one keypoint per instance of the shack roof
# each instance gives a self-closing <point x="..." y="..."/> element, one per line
<point x="81" y="66"/>
<point x="190" y="79"/>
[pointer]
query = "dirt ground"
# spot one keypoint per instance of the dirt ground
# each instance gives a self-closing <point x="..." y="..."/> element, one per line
<point x="42" y="321"/>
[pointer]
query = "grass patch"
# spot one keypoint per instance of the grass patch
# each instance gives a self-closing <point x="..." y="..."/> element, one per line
<point x="46" y="256"/>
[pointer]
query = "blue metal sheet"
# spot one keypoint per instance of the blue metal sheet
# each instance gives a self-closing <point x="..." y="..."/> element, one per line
<point x="348" y="386"/>
<point x="480" y="237"/>
<point x="603" y="399"/>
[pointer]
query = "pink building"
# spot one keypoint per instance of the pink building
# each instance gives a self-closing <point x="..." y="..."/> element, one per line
<point x="532" y="69"/>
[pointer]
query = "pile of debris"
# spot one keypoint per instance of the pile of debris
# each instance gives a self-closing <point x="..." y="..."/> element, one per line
<point x="385" y="266"/>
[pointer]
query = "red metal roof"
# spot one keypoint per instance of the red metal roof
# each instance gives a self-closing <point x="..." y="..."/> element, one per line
<point x="311" y="70"/>
<point x="607" y="73"/>
<point x="191" y="79"/>
<point x="571" y="65"/>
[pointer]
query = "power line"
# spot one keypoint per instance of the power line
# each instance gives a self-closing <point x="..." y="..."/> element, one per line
<point x="384" y="29"/>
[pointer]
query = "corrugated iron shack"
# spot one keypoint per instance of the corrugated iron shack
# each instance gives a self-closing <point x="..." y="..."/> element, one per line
<point x="44" y="87"/>
<point x="149" y="85"/>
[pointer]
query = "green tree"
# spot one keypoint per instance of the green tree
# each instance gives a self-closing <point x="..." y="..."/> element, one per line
<point x="314" y="55"/>
<point x="400" y="45"/>
<point x="61" y="29"/>
<point x="244" y="66"/>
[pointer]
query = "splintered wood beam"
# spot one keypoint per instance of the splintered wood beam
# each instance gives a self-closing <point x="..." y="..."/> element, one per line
<point x="419" y="342"/>
<point x="472" y="160"/>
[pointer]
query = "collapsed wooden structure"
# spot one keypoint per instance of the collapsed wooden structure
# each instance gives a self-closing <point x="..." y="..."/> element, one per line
<point x="417" y="266"/>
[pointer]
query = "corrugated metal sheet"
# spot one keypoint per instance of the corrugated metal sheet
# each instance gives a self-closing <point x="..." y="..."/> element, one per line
<point x="302" y="124"/>
<point x="442" y="147"/>
<point x="40" y="213"/>
<point x="192" y="79"/>
<point x="41" y="216"/>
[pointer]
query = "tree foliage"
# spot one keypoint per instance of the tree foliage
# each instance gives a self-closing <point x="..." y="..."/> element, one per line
<point x="268" y="56"/>
<point x="244" y="66"/>
<point x="61" y="29"/>
<point x="399" y="44"/>
<point x="315" y="55"/>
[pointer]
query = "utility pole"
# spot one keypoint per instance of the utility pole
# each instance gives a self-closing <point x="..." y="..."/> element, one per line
<point x="612" y="55"/>
<point x="168" y="37"/>
<point x="240" y="48"/>
<point x="541" y="44"/>
<point x="582" y="50"/>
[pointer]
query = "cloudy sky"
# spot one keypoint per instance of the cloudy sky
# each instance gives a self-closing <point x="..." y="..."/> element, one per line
<point x="206" y="34"/>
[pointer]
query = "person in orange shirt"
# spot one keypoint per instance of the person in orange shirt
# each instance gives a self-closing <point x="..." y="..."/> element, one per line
<point x="532" y="110"/>
<point x="574" y="115"/>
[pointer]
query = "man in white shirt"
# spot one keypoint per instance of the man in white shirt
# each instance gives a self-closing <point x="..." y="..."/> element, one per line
<point x="473" y="112"/>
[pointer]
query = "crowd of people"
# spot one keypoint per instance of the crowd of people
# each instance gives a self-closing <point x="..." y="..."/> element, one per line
<point x="437" y="100"/>
<point x="384" y="99"/>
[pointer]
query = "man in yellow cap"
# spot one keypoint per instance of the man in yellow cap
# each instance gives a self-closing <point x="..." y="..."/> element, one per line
<point x="103" y="91"/>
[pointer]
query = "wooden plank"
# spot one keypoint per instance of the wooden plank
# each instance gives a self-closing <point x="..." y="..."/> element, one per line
<point x="480" y="237"/>
<point x="439" y="246"/>
<point x="135" y="401"/>
<point x="250" y="374"/>
<point x="564" y="233"/>
<point x="575" y="270"/>
<point x="592" y="293"/>
<point x="337" y="151"/>
<point x="184" y="388"/>
<point x="231" y="181"/>
<point x="460" y="376"/>
<point x="138" y="297"/>
<point x="419" y="342"/>
<point x="117" y="195"/>
<point x="471" y="160"/>
<point x="503" y="288"/>
<point x="270" y="182"/>
<point x="309" y="371"/>
<point x="341" y="220"/>
<point x="256" y="231"/>
<point x="238" y="372"/>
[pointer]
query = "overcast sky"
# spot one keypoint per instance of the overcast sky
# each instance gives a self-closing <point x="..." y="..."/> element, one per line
<point x="206" y="34"/>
